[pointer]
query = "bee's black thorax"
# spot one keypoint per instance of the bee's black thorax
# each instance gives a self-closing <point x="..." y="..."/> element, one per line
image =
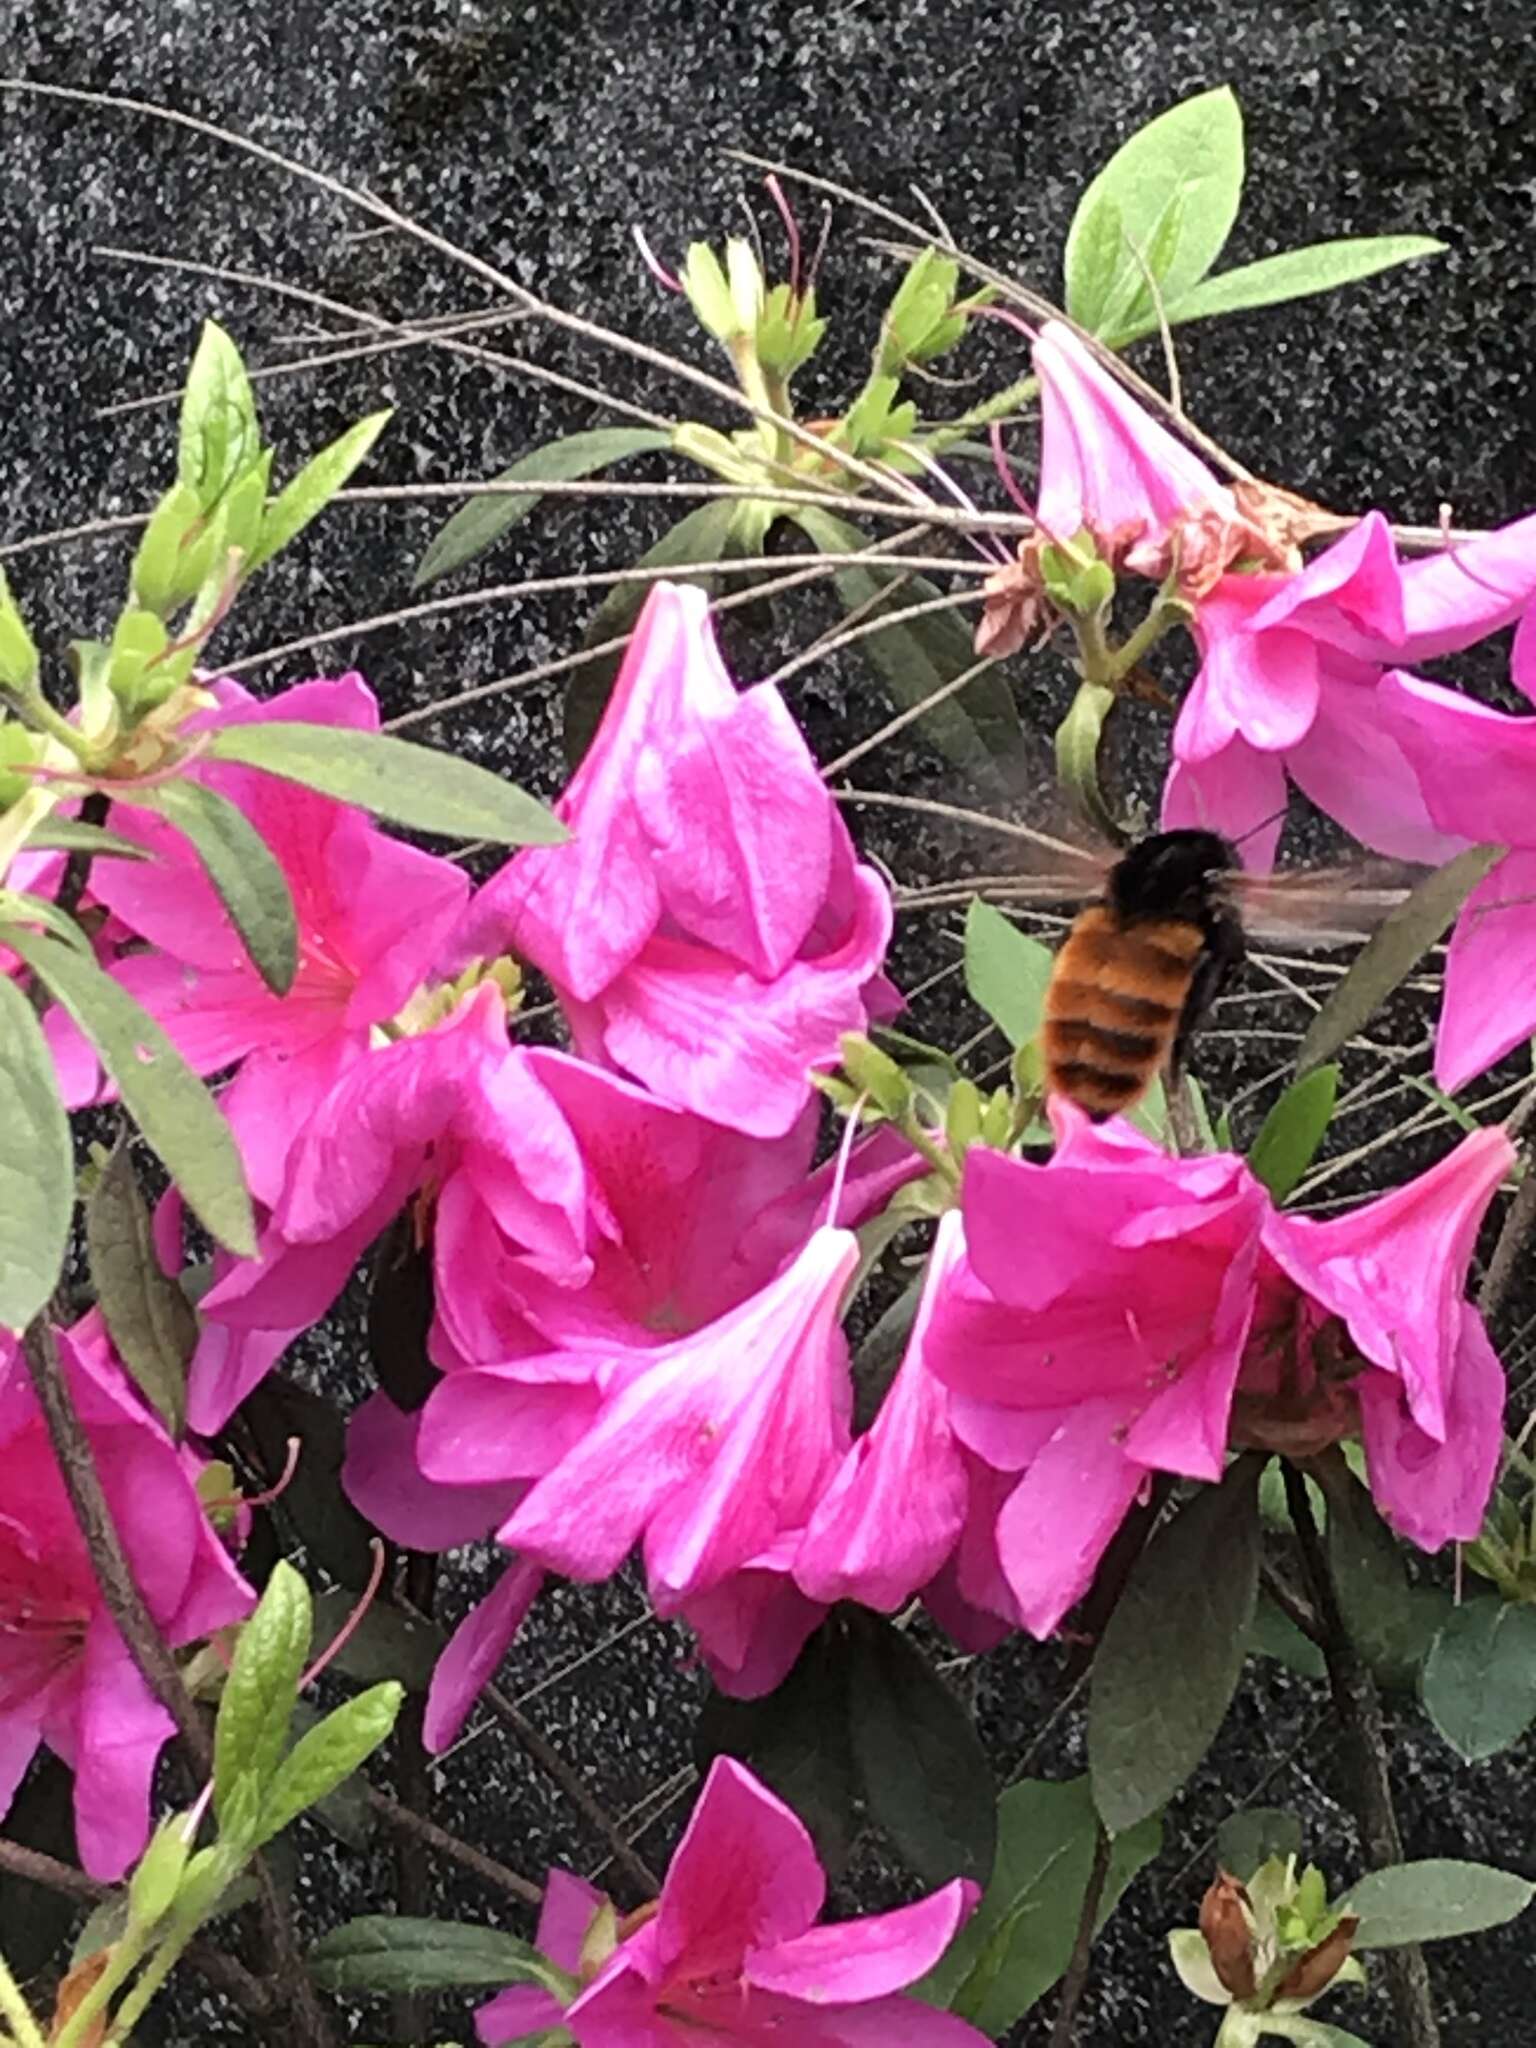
<point x="1182" y="875"/>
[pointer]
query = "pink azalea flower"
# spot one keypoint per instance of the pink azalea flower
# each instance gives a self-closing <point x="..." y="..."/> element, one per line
<point x="1288" y="681"/>
<point x="706" y="927"/>
<point x="374" y="915"/>
<point x="1118" y="1312"/>
<point x="709" y="1449"/>
<point x="732" y="1952"/>
<point x="1476" y="768"/>
<point x="66" y="1678"/>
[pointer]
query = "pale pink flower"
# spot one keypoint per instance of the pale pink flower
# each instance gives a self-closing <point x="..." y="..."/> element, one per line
<point x="706" y="927"/>
<point x="733" y="1953"/>
<point x="373" y="915"/>
<point x="66" y="1678"/>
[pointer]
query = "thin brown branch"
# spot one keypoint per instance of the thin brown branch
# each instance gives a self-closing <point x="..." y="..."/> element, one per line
<point x="420" y="1829"/>
<point x="1075" y="1982"/>
<point x="1514" y="1236"/>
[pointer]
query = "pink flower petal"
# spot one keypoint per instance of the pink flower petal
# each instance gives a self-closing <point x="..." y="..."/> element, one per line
<point x="1436" y="1493"/>
<point x="473" y="1655"/>
<point x="385" y="1483"/>
<point x="1489" y="1003"/>
<point x="1055" y="1525"/>
<point x="857" y="1960"/>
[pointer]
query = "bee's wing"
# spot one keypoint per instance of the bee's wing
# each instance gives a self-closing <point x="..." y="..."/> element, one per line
<point x="1329" y="906"/>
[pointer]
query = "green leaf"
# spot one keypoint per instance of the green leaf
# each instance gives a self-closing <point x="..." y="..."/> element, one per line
<point x="37" y="1170"/>
<point x="19" y="906"/>
<point x="1390" y="1622"/>
<point x="1247" y="1839"/>
<point x="796" y="1739"/>
<point x="1274" y="1634"/>
<point x="1019" y="1940"/>
<point x="1293" y="1130"/>
<point x="219" y="436"/>
<point x="1300" y="273"/>
<point x="925" y="1776"/>
<point x="240" y="865"/>
<point x="978" y="729"/>
<point x="69" y="835"/>
<point x="702" y="535"/>
<point x="391" y="1953"/>
<point x="329" y="1754"/>
<point x="314" y="487"/>
<point x="18" y="650"/>
<point x="1391" y="954"/>
<point x="1433" y="1900"/>
<point x="1078" y="739"/>
<point x="312" y="1504"/>
<point x="1479" y="1679"/>
<point x="148" y="1317"/>
<point x="422" y="787"/>
<point x="1186" y="165"/>
<point x="167" y="1101"/>
<point x="251" y="1731"/>
<point x="1176" y="1638"/>
<point x="381" y="1642"/>
<point x="1006" y="971"/>
<point x="474" y="526"/>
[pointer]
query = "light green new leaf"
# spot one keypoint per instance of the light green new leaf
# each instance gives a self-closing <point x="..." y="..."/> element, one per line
<point x="393" y="1953"/>
<point x="148" y="1317"/>
<point x="1185" y="166"/>
<point x="245" y="876"/>
<point x="219" y="436"/>
<point x="327" y="1756"/>
<point x="18" y="651"/>
<point x="37" y="1174"/>
<point x="422" y="787"/>
<point x="485" y="519"/>
<point x="314" y="487"/>
<point x="1006" y="971"/>
<point x="256" y="1706"/>
<point x="167" y="1101"/>
<point x="1301" y="273"/>
<point x="1433" y="1900"/>
<point x="1293" y="1130"/>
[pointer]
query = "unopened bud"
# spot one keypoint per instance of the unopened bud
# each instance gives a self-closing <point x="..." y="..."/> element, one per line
<point x="1226" y="1921"/>
<point x="1316" y="1970"/>
<point x="152" y="1888"/>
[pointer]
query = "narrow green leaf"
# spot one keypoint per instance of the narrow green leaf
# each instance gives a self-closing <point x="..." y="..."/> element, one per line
<point x="328" y="1755"/>
<point x="1019" y="1940"/>
<point x="1288" y="1140"/>
<point x="1300" y="273"/>
<point x="1078" y="739"/>
<point x="924" y="1774"/>
<point x="796" y="1740"/>
<point x="42" y="912"/>
<point x="1006" y="971"/>
<point x="1479" y="1679"/>
<point x="148" y="1318"/>
<point x="1433" y="1900"/>
<point x="240" y="865"/>
<point x="37" y="1172"/>
<point x="1190" y="159"/>
<point x="392" y="1953"/>
<point x="978" y="729"/>
<point x="702" y="535"/>
<point x="1247" y="1839"/>
<point x="178" y="1117"/>
<point x="69" y="835"/>
<point x="483" y="520"/>
<point x="256" y="1707"/>
<point x="422" y="787"/>
<point x="1177" y="1638"/>
<point x="1391" y="954"/>
<point x="314" y="487"/>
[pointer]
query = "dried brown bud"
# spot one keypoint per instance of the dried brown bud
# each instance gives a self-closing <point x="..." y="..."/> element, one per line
<point x="1316" y="1970"/>
<point x="1226" y="1921"/>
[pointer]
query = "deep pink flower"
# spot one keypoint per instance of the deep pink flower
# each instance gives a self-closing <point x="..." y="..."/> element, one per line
<point x="707" y="1450"/>
<point x="1476" y="768"/>
<point x="706" y="927"/>
<point x="732" y="1952"/>
<point x="374" y="915"/>
<point x="1114" y="1304"/>
<point x="66" y="1678"/>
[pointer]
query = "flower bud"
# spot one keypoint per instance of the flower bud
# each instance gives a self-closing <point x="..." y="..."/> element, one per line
<point x="1226" y="1921"/>
<point x="153" y="1886"/>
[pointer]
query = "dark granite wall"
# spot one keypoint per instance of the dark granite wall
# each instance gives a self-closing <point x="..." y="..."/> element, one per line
<point x="536" y="134"/>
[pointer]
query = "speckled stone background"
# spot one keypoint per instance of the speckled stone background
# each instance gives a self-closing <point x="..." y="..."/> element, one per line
<point x="536" y="134"/>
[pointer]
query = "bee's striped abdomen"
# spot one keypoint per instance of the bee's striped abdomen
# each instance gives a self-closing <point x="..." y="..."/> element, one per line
<point x="1112" y="1010"/>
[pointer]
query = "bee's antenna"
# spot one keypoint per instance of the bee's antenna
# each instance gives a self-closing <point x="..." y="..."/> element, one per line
<point x="1262" y="826"/>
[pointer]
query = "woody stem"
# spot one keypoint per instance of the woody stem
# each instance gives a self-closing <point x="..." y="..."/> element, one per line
<point x="1358" y="1705"/>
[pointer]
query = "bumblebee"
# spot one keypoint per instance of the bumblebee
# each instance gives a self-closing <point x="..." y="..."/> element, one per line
<point x="1140" y="968"/>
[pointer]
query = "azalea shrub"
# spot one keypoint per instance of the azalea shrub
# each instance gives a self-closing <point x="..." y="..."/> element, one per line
<point x="690" y="1262"/>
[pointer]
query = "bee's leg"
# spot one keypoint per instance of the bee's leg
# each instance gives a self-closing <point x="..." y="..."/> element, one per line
<point x="1224" y="952"/>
